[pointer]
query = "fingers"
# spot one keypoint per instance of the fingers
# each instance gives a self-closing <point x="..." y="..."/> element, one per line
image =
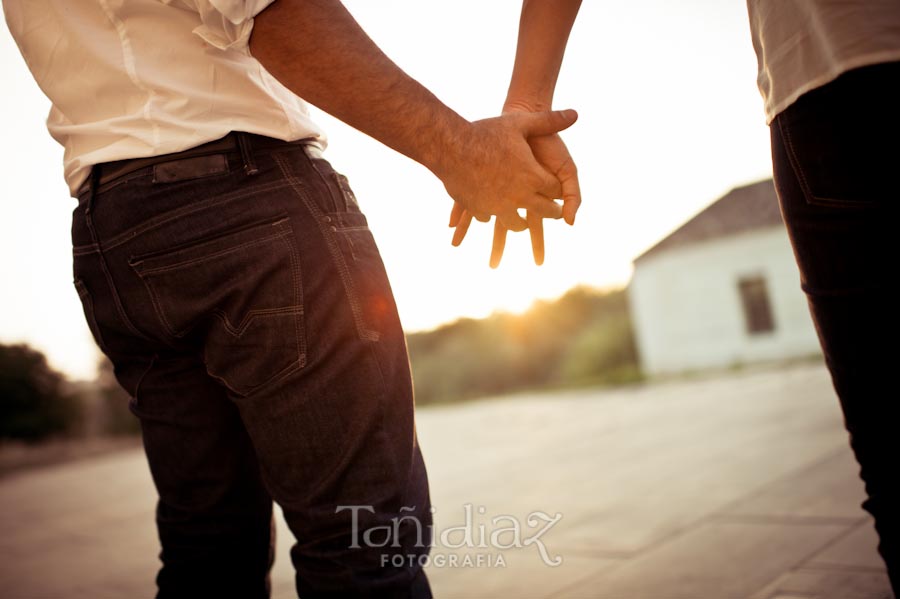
<point x="511" y="221"/>
<point x="554" y="156"/>
<point x="535" y="226"/>
<point x="462" y="226"/>
<point x="499" y="244"/>
<point x="550" y="186"/>
<point x="571" y="195"/>
<point x="546" y="123"/>
<point x="536" y="229"/>
<point x="456" y="213"/>
<point x="542" y="207"/>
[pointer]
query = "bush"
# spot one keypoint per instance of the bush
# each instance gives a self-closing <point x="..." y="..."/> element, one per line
<point x="585" y="336"/>
<point x="604" y="351"/>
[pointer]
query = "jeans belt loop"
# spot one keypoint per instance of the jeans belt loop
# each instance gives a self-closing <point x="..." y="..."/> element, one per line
<point x="246" y="153"/>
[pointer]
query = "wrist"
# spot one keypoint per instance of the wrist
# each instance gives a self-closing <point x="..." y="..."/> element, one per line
<point x="442" y="151"/>
<point x="525" y="105"/>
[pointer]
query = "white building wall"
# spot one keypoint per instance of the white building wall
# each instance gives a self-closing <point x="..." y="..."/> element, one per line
<point x="687" y="309"/>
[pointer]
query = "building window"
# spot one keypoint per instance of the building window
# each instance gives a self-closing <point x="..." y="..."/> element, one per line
<point x="757" y="308"/>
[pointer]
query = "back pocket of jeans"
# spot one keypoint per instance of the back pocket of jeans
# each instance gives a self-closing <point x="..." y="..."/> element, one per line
<point x="838" y="159"/>
<point x="238" y="296"/>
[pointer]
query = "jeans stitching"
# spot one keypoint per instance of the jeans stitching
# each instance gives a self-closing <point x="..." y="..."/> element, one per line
<point x="151" y="271"/>
<point x="237" y="331"/>
<point x="283" y="373"/>
<point x="327" y="185"/>
<point x="158" y="309"/>
<point x="149" y="225"/>
<point x="299" y="328"/>
<point x="811" y="198"/>
<point x="297" y="309"/>
<point x="133" y="404"/>
<point x="85" y="250"/>
<point x="104" y="267"/>
<point x="792" y="158"/>
<point x="88" y="303"/>
<point x="241" y="328"/>
<point x="334" y="249"/>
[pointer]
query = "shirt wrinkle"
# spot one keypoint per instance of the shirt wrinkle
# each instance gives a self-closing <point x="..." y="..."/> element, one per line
<point x="131" y="69"/>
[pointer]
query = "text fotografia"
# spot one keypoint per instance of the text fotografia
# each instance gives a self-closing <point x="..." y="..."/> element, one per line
<point x="501" y="532"/>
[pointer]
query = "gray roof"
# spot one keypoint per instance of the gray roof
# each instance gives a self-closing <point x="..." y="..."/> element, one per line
<point x="753" y="206"/>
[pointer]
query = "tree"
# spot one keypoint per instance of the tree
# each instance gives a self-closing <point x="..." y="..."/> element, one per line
<point x="34" y="402"/>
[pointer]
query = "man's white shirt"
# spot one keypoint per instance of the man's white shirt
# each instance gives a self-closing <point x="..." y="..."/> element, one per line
<point x="137" y="78"/>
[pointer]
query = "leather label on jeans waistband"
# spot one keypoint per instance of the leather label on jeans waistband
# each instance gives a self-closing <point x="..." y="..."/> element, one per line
<point x="190" y="168"/>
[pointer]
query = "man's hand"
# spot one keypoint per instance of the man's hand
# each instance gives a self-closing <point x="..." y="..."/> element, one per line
<point x="461" y="219"/>
<point x="317" y="50"/>
<point x="494" y="171"/>
<point x="543" y="32"/>
<point x="553" y="155"/>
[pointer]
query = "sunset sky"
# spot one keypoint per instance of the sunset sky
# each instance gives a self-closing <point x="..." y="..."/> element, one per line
<point x="670" y="119"/>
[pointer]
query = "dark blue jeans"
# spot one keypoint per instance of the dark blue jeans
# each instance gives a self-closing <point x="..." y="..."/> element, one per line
<point x="836" y="159"/>
<point x="251" y="320"/>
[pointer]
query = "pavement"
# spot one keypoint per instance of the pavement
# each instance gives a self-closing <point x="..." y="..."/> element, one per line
<point x="736" y="485"/>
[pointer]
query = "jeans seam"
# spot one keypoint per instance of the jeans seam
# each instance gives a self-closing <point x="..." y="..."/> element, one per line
<point x="85" y="250"/>
<point x="241" y="328"/>
<point x="808" y="195"/>
<point x="324" y="179"/>
<point x="104" y="267"/>
<point x="284" y="373"/>
<point x="297" y="278"/>
<point x="792" y="158"/>
<point x="150" y="271"/>
<point x="126" y="236"/>
<point x="88" y="301"/>
<point x="334" y="249"/>
<point x="137" y="387"/>
<point x="296" y="308"/>
<point x="299" y="339"/>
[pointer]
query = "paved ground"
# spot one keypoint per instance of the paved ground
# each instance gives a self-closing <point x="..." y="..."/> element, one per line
<point x="733" y="486"/>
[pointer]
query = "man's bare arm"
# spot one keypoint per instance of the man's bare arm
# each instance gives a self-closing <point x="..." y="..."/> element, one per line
<point x="317" y="50"/>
